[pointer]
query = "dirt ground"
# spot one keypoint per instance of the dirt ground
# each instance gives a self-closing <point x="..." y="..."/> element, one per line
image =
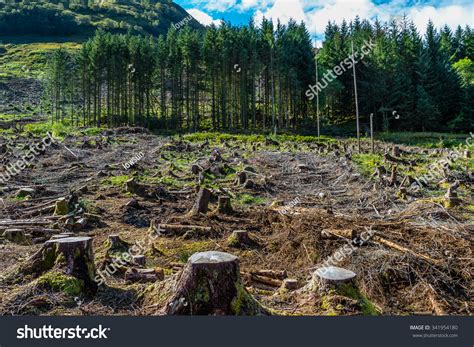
<point x="301" y="199"/>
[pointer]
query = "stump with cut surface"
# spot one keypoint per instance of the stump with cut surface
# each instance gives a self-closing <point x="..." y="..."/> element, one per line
<point x="202" y="201"/>
<point x="210" y="284"/>
<point x="330" y="277"/>
<point x="224" y="206"/>
<point x="239" y="238"/>
<point x="72" y="254"/>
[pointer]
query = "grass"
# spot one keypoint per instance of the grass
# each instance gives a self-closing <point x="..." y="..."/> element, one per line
<point x="427" y="139"/>
<point x="367" y="163"/>
<point x="29" y="60"/>
<point x="247" y="199"/>
<point x="117" y="180"/>
<point x="60" y="130"/>
<point x="254" y="138"/>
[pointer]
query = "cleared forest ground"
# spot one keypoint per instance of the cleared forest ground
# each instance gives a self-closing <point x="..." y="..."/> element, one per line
<point x="297" y="197"/>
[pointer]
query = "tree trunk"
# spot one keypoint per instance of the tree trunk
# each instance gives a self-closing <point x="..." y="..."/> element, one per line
<point x="210" y="284"/>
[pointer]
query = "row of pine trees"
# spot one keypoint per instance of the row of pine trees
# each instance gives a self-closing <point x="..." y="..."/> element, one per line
<point x="256" y="78"/>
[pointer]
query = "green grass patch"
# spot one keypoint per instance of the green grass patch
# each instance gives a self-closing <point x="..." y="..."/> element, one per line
<point x="117" y="180"/>
<point x="427" y="140"/>
<point x="247" y="199"/>
<point x="367" y="163"/>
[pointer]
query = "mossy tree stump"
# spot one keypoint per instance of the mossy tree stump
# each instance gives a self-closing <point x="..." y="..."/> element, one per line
<point x="74" y="255"/>
<point x="210" y="284"/>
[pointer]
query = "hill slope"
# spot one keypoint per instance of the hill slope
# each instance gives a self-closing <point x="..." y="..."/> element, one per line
<point x="83" y="17"/>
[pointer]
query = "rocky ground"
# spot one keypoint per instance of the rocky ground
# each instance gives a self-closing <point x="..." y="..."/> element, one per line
<point x="299" y="202"/>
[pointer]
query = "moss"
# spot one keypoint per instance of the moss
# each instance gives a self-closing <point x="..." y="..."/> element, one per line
<point x="244" y="303"/>
<point x="351" y="291"/>
<point x="61" y="208"/>
<point x="202" y="292"/>
<point x="232" y="241"/>
<point x="61" y="283"/>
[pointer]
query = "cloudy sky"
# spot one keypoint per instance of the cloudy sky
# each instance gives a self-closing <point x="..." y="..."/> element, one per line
<point x="316" y="13"/>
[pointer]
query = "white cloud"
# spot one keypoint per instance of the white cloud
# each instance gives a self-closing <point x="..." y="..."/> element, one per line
<point x="284" y="10"/>
<point x="247" y="4"/>
<point x="450" y="15"/>
<point x="203" y="17"/>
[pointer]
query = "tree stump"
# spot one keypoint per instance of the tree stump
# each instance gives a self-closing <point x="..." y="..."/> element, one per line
<point x="210" y="284"/>
<point x="223" y="205"/>
<point x="73" y="254"/>
<point x="15" y="235"/>
<point x="61" y="208"/>
<point x="239" y="238"/>
<point x="451" y="197"/>
<point x="393" y="176"/>
<point x="139" y="260"/>
<point x="329" y="277"/>
<point x="396" y="151"/>
<point x="241" y="178"/>
<point x="202" y="201"/>
<point x="290" y="284"/>
<point x="196" y="169"/>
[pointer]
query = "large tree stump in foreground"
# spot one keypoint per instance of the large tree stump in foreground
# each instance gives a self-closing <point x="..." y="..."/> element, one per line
<point x="72" y="254"/>
<point x="210" y="284"/>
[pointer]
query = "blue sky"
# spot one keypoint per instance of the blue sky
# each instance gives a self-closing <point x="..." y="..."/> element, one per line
<point x="316" y="13"/>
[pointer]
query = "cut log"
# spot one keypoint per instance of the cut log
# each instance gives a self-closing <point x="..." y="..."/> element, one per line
<point x="144" y="275"/>
<point x="279" y="275"/>
<point x="210" y="284"/>
<point x="179" y="229"/>
<point x="266" y="280"/>
<point x="402" y="249"/>
<point x="202" y="201"/>
<point x="224" y="206"/>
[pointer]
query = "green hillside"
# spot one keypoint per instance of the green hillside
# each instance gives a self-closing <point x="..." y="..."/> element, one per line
<point x="83" y="17"/>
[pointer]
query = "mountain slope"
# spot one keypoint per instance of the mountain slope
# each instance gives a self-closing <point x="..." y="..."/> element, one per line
<point x="83" y="17"/>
